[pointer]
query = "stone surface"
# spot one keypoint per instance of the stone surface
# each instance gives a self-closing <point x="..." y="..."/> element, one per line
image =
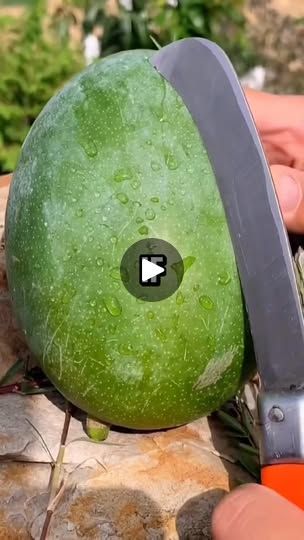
<point x="155" y="486"/>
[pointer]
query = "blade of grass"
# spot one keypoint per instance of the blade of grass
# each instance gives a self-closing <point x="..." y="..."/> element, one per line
<point x="249" y="449"/>
<point x="16" y="369"/>
<point x="157" y="45"/>
<point x="45" y="446"/>
<point x="56" y="486"/>
<point x="231" y="422"/>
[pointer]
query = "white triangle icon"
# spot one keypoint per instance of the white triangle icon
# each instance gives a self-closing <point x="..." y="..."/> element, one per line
<point x="149" y="270"/>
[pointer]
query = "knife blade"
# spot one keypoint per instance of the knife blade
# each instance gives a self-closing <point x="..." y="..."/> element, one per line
<point x="203" y="76"/>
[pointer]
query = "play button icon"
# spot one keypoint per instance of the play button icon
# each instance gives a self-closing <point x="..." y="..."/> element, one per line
<point x="152" y="269"/>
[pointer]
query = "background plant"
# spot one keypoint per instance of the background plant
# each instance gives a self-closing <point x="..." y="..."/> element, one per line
<point x="223" y="22"/>
<point x="33" y="66"/>
<point x="37" y="57"/>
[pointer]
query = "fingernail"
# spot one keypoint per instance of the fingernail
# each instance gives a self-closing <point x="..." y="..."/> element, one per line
<point x="289" y="193"/>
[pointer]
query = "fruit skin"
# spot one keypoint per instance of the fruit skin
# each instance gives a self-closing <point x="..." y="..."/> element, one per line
<point x="114" y="157"/>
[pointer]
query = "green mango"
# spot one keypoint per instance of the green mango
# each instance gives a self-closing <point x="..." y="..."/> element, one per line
<point x="113" y="158"/>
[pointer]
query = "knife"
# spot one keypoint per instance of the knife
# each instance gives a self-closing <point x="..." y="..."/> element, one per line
<point x="203" y="76"/>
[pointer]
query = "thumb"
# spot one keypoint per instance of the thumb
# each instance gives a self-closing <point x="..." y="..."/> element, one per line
<point x="253" y="512"/>
<point x="289" y="185"/>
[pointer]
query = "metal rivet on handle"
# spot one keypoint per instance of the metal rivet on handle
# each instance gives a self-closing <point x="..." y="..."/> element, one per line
<point x="276" y="414"/>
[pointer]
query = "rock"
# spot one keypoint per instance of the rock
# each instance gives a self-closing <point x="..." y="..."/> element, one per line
<point x="19" y="484"/>
<point x="12" y="343"/>
<point x="153" y="486"/>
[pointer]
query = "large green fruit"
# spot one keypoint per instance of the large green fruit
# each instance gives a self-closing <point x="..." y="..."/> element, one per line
<point x="115" y="157"/>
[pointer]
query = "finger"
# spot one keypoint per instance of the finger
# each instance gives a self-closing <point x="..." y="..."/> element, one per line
<point x="254" y="512"/>
<point x="289" y="185"/>
<point x="5" y="180"/>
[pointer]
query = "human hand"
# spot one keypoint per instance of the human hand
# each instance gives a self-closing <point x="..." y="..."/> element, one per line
<point x="254" y="512"/>
<point x="280" y="122"/>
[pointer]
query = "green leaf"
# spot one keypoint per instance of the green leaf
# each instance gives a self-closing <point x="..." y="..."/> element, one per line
<point x="16" y="369"/>
<point x="249" y="449"/>
<point x="231" y="422"/>
<point x="250" y="464"/>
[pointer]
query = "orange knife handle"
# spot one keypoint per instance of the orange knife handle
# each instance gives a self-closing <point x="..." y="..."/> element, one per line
<point x="287" y="480"/>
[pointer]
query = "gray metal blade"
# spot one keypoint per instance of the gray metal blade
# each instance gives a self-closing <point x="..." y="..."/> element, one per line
<point x="203" y="76"/>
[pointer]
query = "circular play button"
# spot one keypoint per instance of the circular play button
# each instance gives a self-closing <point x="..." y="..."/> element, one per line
<point x="152" y="269"/>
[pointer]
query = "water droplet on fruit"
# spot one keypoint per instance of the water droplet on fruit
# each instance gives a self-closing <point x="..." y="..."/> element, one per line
<point x="135" y="205"/>
<point x="149" y="142"/>
<point x="154" y="199"/>
<point x="90" y="148"/>
<point x="122" y="197"/>
<point x="143" y="230"/>
<point x="114" y="239"/>
<point x="121" y="175"/>
<point x="92" y="303"/>
<point x="150" y="214"/>
<point x="79" y="212"/>
<point x="150" y="315"/>
<point x="74" y="199"/>
<point x="155" y="166"/>
<point x="180" y="299"/>
<point x="99" y="261"/>
<point x="160" y="334"/>
<point x="187" y="149"/>
<point x="196" y="287"/>
<point x="112" y="305"/>
<point x="115" y="273"/>
<point x="139" y="219"/>
<point x="188" y="262"/>
<point x="126" y="349"/>
<point x="206" y="302"/>
<point x="163" y="207"/>
<point x="135" y="184"/>
<point x="224" y="278"/>
<point x="171" y="161"/>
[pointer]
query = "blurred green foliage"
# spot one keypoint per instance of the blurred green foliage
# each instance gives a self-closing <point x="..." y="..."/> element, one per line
<point x="33" y="67"/>
<point x="35" y="63"/>
<point x="221" y="21"/>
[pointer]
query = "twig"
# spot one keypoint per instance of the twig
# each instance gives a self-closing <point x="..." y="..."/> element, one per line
<point x="57" y="488"/>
